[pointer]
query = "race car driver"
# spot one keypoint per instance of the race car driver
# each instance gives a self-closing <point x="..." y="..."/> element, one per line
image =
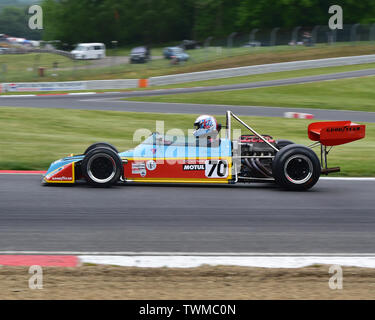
<point x="207" y="131"/>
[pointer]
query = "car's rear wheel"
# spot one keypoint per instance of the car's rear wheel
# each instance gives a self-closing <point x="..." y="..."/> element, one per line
<point x="102" y="167"/>
<point x="283" y="143"/>
<point x="101" y="145"/>
<point x="296" y="167"/>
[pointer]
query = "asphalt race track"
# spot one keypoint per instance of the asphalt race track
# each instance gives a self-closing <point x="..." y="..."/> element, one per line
<point x="111" y="101"/>
<point x="334" y="217"/>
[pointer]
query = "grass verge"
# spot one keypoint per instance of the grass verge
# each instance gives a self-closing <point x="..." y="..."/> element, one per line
<point x="348" y="94"/>
<point x="33" y="138"/>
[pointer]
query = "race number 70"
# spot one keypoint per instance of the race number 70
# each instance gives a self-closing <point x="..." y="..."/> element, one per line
<point x="216" y="169"/>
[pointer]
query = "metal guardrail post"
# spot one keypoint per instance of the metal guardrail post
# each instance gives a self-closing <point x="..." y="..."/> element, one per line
<point x="252" y="36"/>
<point x="372" y="32"/>
<point x="331" y="37"/>
<point x="295" y="34"/>
<point x="230" y="40"/>
<point x="207" y="42"/>
<point x="353" y="32"/>
<point x="206" y="45"/>
<point x="273" y="36"/>
<point x="314" y="34"/>
<point x="113" y="60"/>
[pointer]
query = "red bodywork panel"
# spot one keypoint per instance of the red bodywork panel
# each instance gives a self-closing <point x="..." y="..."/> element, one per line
<point x="64" y="174"/>
<point x="208" y="170"/>
<point x="334" y="133"/>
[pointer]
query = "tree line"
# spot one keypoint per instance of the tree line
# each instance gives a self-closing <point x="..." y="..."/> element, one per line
<point x="162" y="21"/>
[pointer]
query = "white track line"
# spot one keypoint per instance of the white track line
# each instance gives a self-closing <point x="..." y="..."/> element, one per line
<point x="245" y="261"/>
<point x="80" y="93"/>
<point x="18" y="96"/>
<point x="192" y="260"/>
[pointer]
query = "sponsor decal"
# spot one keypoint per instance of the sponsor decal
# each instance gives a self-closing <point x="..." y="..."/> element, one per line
<point x="62" y="179"/>
<point x="343" y="129"/>
<point x="151" y="165"/>
<point x="45" y="86"/>
<point x="194" y="167"/>
<point x="139" y="168"/>
<point x="216" y="169"/>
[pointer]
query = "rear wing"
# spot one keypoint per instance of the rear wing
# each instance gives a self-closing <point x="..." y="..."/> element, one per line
<point x="334" y="133"/>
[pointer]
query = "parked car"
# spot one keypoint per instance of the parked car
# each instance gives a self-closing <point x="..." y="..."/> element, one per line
<point x="4" y="50"/>
<point x="190" y="44"/>
<point x="175" y="53"/>
<point x="140" y="55"/>
<point x="252" y="44"/>
<point x="87" y="51"/>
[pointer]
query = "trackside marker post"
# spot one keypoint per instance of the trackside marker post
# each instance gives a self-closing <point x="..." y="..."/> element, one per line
<point x="298" y="115"/>
<point x="143" y="83"/>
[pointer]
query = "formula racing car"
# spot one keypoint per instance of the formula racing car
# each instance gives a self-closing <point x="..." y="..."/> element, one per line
<point x="204" y="157"/>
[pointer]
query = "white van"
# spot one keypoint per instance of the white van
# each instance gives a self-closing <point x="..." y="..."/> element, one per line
<point x="87" y="51"/>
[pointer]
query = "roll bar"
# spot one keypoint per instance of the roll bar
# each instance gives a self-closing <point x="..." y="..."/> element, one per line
<point x="231" y="115"/>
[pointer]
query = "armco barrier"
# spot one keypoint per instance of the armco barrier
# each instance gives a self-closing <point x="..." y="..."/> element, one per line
<point x="112" y="84"/>
<point x="70" y="85"/>
<point x="259" y="69"/>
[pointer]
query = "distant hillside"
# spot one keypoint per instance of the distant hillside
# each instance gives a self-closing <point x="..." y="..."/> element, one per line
<point x="17" y="3"/>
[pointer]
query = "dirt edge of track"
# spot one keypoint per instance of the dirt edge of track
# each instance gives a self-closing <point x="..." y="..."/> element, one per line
<point x="206" y="282"/>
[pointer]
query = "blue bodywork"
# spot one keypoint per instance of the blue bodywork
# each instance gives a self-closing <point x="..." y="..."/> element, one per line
<point x="159" y="146"/>
<point x="62" y="162"/>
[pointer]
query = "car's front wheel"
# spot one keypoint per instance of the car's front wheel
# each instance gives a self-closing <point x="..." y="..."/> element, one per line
<point x="102" y="167"/>
<point x="101" y="144"/>
<point x="296" y="167"/>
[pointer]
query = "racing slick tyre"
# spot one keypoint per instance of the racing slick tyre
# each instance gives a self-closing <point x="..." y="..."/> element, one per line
<point x="102" y="167"/>
<point x="296" y="167"/>
<point x="101" y="145"/>
<point x="283" y="143"/>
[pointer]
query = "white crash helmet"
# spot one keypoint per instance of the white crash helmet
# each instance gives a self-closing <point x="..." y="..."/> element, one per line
<point x="205" y="126"/>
